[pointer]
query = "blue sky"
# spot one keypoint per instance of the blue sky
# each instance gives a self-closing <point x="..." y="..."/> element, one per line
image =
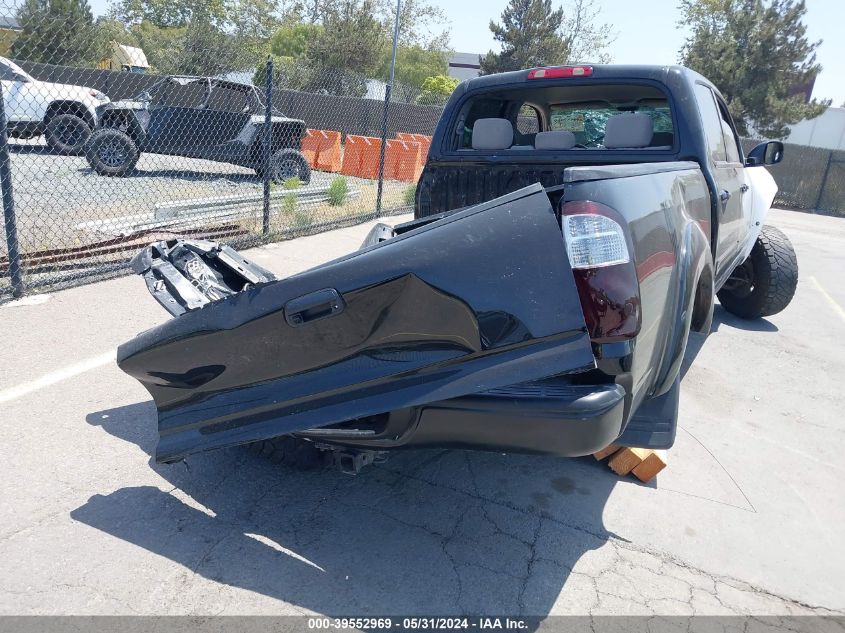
<point x="648" y="32"/>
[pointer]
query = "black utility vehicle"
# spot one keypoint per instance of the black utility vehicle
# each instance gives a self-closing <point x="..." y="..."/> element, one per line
<point x="574" y="224"/>
<point x="197" y="117"/>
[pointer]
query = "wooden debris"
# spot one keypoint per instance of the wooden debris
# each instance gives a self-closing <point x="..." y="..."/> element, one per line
<point x="607" y="451"/>
<point x="650" y="466"/>
<point x="643" y="463"/>
<point x="626" y="459"/>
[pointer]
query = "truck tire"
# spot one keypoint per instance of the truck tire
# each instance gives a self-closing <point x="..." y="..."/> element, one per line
<point x="289" y="163"/>
<point x="291" y="451"/>
<point x="67" y="134"/>
<point x="111" y="152"/>
<point x="765" y="283"/>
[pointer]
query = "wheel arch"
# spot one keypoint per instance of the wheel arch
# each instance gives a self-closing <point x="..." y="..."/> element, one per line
<point x="69" y="107"/>
<point x="123" y="121"/>
<point x="692" y="305"/>
<point x="704" y="301"/>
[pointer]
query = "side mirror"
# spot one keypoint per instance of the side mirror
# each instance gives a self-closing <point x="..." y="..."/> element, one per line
<point x="767" y="153"/>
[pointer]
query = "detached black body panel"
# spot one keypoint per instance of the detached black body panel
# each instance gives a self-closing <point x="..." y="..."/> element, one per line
<point x="476" y="301"/>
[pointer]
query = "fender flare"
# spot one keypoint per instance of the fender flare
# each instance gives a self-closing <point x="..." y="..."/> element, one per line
<point x="135" y="130"/>
<point x="693" y="304"/>
<point x="70" y="106"/>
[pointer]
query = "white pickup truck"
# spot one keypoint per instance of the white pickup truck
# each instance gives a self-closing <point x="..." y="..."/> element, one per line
<point x="64" y="114"/>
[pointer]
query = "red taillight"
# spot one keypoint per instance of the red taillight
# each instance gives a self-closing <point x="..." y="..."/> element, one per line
<point x="600" y="254"/>
<point x="557" y="72"/>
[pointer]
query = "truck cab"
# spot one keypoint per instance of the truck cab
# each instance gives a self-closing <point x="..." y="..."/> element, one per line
<point x="501" y="132"/>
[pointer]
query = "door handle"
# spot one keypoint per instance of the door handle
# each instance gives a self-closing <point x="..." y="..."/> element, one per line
<point x="313" y="307"/>
<point x="725" y="196"/>
<point x="743" y="188"/>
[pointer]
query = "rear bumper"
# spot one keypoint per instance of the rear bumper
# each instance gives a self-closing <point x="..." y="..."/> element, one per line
<point x="544" y="417"/>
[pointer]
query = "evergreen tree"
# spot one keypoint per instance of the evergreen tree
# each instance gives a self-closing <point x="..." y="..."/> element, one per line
<point x="530" y="36"/>
<point x="758" y="55"/>
<point x="352" y="38"/>
<point x="56" y="32"/>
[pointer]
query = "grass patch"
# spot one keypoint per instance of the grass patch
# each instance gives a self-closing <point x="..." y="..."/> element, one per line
<point x="301" y="219"/>
<point x="338" y="190"/>
<point x="409" y="195"/>
<point x="289" y="204"/>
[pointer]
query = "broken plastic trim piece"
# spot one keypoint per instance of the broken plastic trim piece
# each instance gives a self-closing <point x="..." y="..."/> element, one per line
<point x="185" y="275"/>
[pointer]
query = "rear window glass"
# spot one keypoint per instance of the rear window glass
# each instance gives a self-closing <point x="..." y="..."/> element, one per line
<point x="587" y="121"/>
<point x="582" y="110"/>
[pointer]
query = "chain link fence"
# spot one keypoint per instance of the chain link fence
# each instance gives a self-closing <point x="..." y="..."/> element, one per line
<point x="104" y="150"/>
<point x="809" y="178"/>
<point x="107" y="151"/>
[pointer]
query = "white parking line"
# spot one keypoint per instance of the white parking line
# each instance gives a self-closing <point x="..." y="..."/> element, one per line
<point x="18" y="391"/>
<point x="836" y="307"/>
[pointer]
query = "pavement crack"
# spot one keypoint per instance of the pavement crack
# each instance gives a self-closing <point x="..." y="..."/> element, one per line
<point x="530" y="570"/>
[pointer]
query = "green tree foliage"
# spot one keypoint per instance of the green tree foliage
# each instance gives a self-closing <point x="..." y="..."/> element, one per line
<point x="161" y="45"/>
<point x="420" y="24"/>
<point x="414" y="64"/>
<point x="170" y="13"/>
<point x="532" y="34"/>
<point x="436" y="89"/>
<point x="253" y="24"/>
<point x="758" y="55"/>
<point x="288" y="47"/>
<point x="586" y="39"/>
<point x="443" y="84"/>
<point x="56" y="32"/>
<point x="361" y="33"/>
<point x="291" y="40"/>
<point x="348" y="49"/>
<point x="336" y="56"/>
<point x="529" y="35"/>
<point x="107" y="30"/>
<point x="201" y="37"/>
<point x="352" y="38"/>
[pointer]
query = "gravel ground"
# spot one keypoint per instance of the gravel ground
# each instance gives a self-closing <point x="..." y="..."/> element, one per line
<point x="55" y="193"/>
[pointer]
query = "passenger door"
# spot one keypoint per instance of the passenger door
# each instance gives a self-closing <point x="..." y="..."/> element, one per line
<point x="478" y="300"/>
<point x="727" y="174"/>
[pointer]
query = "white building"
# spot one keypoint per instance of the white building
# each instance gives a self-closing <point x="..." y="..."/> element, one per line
<point x="464" y="65"/>
<point x="827" y="130"/>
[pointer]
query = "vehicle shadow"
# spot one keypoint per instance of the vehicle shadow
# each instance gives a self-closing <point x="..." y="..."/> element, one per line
<point x="185" y="174"/>
<point x="27" y="148"/>
<point x="429" y="532"/>
<point x="721" y="317"/>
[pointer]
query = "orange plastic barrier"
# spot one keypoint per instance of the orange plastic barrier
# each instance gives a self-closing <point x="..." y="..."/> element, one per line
<point x="329" y="157"/>
<point x="310" y="147"/>
<point x="322" y="149"/>
<point x="403" y="160"/>
<point x="423" y="139"/>
<point x="361" y="156"/>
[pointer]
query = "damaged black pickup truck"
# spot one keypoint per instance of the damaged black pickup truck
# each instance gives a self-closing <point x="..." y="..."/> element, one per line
<point x="573" y="225"/>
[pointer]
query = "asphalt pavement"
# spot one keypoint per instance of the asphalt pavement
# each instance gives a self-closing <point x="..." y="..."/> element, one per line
<point x="747" y="518"/>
